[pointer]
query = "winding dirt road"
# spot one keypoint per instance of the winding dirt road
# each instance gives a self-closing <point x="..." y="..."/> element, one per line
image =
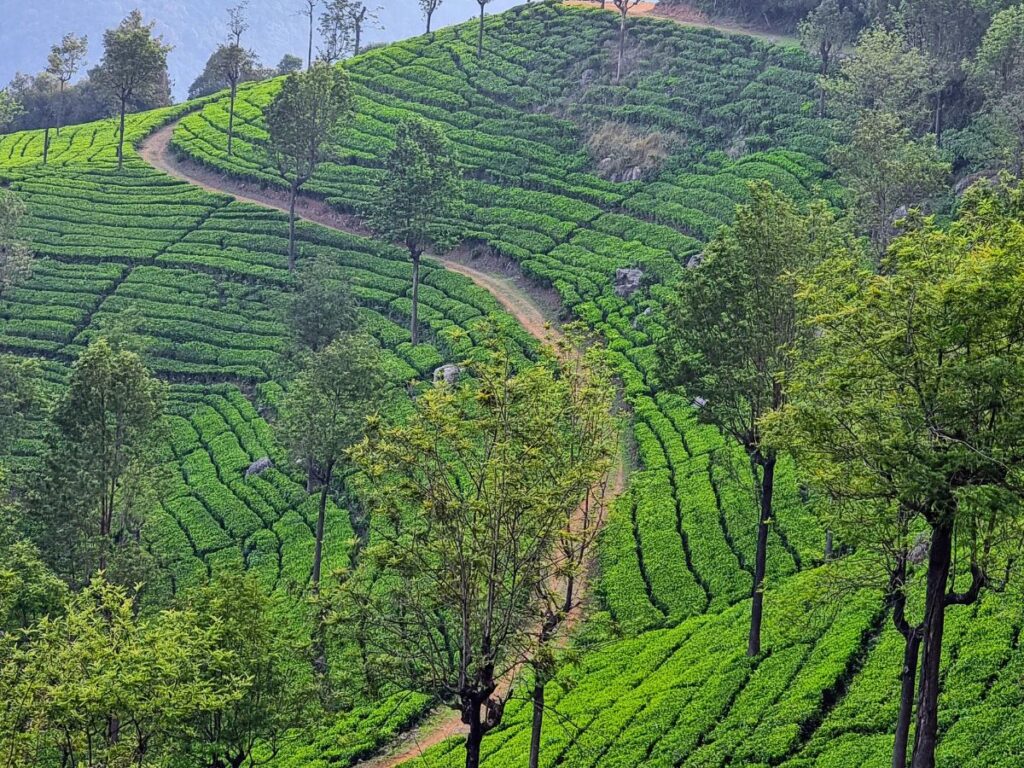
<point x="156" y="150"/>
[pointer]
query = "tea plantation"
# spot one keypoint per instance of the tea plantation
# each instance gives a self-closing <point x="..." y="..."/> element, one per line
<point x="661" y="677"/>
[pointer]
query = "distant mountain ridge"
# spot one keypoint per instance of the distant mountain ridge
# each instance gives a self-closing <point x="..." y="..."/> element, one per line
<point x="194" y="28"/>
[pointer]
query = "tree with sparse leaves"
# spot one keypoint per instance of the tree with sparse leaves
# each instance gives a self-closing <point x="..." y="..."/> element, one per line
<point x="470" y="494"/>
<point x="421" y="189"/>
<point x="623" y="7"/>
<point x="731" y="326"/>
<point x="428" y="7"/>
<point x="63" y="64"/>
<point x="300" y="120"/>
<point x="134" y="64"/>
<point x="823" y="32"/>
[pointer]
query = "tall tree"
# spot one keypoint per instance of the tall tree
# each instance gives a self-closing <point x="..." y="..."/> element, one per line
<point x="309" y="10"/>
<point x="300" y="120"/>
<point x="469" y="496"/>
<point x="337" y="31"/>
<point x="428" y="7"/>
<point x="912" y="387"/>
<point x="15" y="255"/>
<point x="324" y="411"/>
<point x="322" y="308"/>
<point x="225" y="61"/>
<point x="421" y="189"/>
<point x="824" y="32"/>
<point x="361" y="15"/>
<point x="289" y="63"/>
<point x="589" y="445"/>
<point x="731" y="325"/>
<point x="886" y="172"/>
<point x="134" y="64"/>
<point x="19" y="392"/>
<point x="10" y="108"/>
<point x="623" y="7"/>
<point x="105" y="426"/>
<point x="235" y="60"/>
<point x="63" y="63"/>
<point x="480" y="29"/>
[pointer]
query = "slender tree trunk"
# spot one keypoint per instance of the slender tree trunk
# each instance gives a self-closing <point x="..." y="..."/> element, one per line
<point x="46" y="144"/>
<point x="622" y="46"/>
<point x="429" y="15"/>
<point x="939" y="559"/>
<point x="828" y="544"/>
<point x="414" y="326"/>
<point x="538" y="722"/>
<point x="318" y="551"/>
<point x="480" y="33"/>
<point x="61" y="109"/>
<point x="309" y="51"/>
<point x="291" y="228"/>
<point x="909" y="677"/>
<point x="359" y="31"/>
<point x="120" y="139"/>
<point x="767" y="489"/>
<point x="938" y="118"/>
<point x="231" y="116"/>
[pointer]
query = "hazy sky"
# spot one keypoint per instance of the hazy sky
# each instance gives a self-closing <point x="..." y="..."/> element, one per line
<point x="29" y="27"/>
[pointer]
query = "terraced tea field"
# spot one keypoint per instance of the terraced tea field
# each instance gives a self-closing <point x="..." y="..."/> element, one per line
<point x="200" y="280"/>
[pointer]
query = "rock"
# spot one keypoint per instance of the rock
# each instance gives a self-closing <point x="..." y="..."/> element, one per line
<point x="449" y="374"/>
<point x="586" y="77"/>
<point x="695" y="261"/>
<point x="969" y="181"/>
<point x="899" y="214"/>
<point x="258" y="467"/>
<point x="919" y="552"/>
<point x="636" y="320"/>
<point x="699" y="402"/>
<point x="633" y="174"/>
<point x="627" y="281"/>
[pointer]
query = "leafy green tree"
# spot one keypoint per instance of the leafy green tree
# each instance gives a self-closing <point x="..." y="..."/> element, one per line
<point x="15" y="255"/>
<point x="100" y="684"/>
<point x="10" y="108"/>
<point x="885" y="74"/>
<point x="324" y="411"/>
<point x="886" y="172"/>
<point x="18" y="393"/>
<point x="998" y="70"/>
<point x="911" y="391"/>
<point x="63" y="64"/>
<point x="300" y="120"/>
<point x="259" y="652"/>
<point x="469" y="497"/>
<point x="289" y="63"/>
<point x="421" y="189"/>
<point x="731" y="325"/>
<point x="235" y="61"/>
<point x="214" y="78"/>
<point x="134" y="65"/>
<point x="480" y="29"/>
<point x="823" y="33"/>
<point x="105" y="427"/>
<point x="322" y="307"/>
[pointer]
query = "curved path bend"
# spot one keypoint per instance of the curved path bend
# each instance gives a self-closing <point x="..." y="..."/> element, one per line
<point x="157" y="151"/>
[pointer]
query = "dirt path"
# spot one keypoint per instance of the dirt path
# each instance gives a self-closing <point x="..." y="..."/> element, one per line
<point x="690" y="16"/>
<point x="509" y="291"/>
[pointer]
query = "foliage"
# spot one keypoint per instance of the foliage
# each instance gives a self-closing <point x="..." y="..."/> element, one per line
<point x="228" y="62"/>
<point x="15" y="255"/>
<point x="322" y="308"/>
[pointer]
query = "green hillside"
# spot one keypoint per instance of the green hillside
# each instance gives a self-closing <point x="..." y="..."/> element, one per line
<point x="659" y="676"/>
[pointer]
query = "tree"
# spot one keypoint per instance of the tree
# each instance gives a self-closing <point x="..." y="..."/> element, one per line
<point x="260" y="646"/>
<point x="998" y="70"/>
<point x="420" y="190"/>
<point x="288" y="64"/>
<point x="324" y="411"/>
<point x="480" y="29"/>
<point x="623" y="7"/>
<point x="98" y="683"/>
<point x="428" y="7"/>
<point x="360" y="15"/>
<point x="911" y="388"/>
<point x="336" y="31"/>
<point x="589" y="444"/>
<point x="300" y="120"/>
<point x="134" y="63"/>
<point x="886" y="172"/>
<point x="15" y="255"/>
<point x="105" y="426"/>
<point x="309" y="10"/>
<point x="731" y="324"/>
<point x="469" y="494"/>
<point x="885" y="74"/>
<point x="322" y="308"/>
<point x="10" y="108"/>
<point x="235" y="60"/>
<point x="824" y="32"/>
<point x="241" y="64"/>
<point x="19" y="392"/>
<point x="63" y="63"/>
